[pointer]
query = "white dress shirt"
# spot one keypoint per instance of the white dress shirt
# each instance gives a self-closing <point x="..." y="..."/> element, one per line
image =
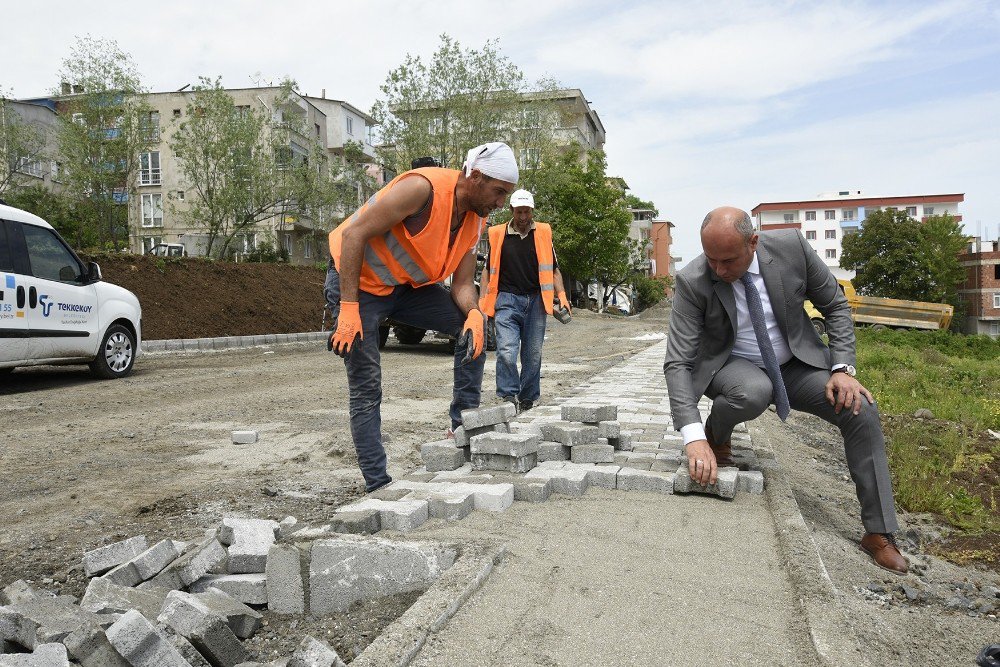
<point x="746" y="340"/>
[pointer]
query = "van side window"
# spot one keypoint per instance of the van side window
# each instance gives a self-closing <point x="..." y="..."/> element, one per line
<point x="50" y="259"/>
<point x="6" y="260"/>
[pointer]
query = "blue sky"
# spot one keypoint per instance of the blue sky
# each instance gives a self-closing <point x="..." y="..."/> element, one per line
<point x="706" y="103"/>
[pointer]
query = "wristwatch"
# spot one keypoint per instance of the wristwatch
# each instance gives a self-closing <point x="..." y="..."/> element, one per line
<point x="850" y="370"/>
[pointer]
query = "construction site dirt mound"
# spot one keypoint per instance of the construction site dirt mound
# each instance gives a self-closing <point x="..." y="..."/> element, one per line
<point x="199" y="298"/>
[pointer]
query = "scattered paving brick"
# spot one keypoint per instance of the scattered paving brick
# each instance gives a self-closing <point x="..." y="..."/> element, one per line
<point x="43" y="620"/>
<point x="314" y="653"/>
<point x="285" y="592"/>
<point x="141" y="644"/>
<point x="631" y="479"/>
<point x="553" y="451"/>
<point x="442" y="455"/>
<point x="359" y="522"/>
<point x="500" y="462"/>
<point x="105" y="597"/>
<point x="479" y="417"/>
<point x="506" y="444"/>
<point x="242" y="620"/>
<point x="593" y="454"/>
<point x="750" y="481"/>
<point x="89" y="646"/>
<point x="105" y="558"/>
<point x="401" y="515"/>
<point x="190" y="567"/>
<point x="589" y="414"/>
<point x="244" y="437"/>
<point x="246" y="588"/>
<point x="45" y="655"/>
<point x="724" y="487"/>
<point x="249" y="541"/>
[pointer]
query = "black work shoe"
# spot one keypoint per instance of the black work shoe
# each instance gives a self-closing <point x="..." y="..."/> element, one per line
<point x="526" y="405"/>
<point x="513" y="401"/>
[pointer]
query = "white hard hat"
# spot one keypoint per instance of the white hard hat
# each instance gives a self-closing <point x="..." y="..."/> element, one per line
<point x="522" y="198"/>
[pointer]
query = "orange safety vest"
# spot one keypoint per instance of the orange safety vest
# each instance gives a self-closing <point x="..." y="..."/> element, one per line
<point x="543" y="251"/>
<point x="399" y="258"/>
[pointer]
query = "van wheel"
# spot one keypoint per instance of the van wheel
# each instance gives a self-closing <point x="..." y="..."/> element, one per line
<point x="819" y="326"/>
<point x="879" y="327"/>
<point x="409" y="335"/>
<point x="116" y="354"/>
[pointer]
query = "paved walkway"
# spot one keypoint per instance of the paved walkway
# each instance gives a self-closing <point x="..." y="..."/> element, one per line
<point x="615" y="578"/>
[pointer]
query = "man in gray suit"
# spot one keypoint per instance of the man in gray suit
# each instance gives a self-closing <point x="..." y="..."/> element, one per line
<point x="740" y="336"/>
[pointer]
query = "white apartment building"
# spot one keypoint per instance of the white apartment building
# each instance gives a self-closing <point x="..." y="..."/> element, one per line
<point x="831" y="216"/>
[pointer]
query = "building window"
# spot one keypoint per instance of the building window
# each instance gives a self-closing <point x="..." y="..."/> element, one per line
<point x="996" y="272"/>
<point x="152" y="210"/>
<point x="789" y="217"/>
<point x="177" y="113"/>
<point x="286" y="241"/>
<point x="369" y="134"/>
<point x="150" y="125"/>
<point x="996" y="300"/>
<point x="829" y="215"/>
<point x="149" y="168"/>
<point x="810" y="236"/>
<point x="995" y="329"/>
<point x="30" y="166"/>
<point x="810" y="215"/>
<point x="180" y="195"/>
<point x="317" y="129"/>
<point x="831" y="233"/>
<point x="911" y="211"/>
<point x="928" y="210"/>
<point x="529" y="118"/>
<point x="54" y="168"/>
<point x="150" y="242"/>
<point x="849" y="213"/>
<point x="529" y="158"/>
<point x="350" y="126"/>
<point x="435" y="125"/>
<point x="831" y="253"/>
<point x="307" y="247"/>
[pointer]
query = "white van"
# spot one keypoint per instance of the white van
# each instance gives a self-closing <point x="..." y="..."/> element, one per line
<point x="54" y="309"/>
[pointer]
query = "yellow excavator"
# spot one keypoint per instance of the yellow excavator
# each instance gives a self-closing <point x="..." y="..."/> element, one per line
<point x="880" y="313"/>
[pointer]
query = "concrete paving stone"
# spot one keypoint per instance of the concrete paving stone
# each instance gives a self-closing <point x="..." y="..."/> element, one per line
<point x="625" y="442"/>
<point x="453" y="474"/>
<point x="207" y="632"/>
<point x="401" y="515"/>
<point x="592" y="414"/>
<point x="438" y="456"/>
<point x="573" y="435"/>
<point x="183" y="646"/>
<point x="609" y="429"/>
<point x="240" y="618"/>
<point x="549" y="429"/>
<point x="360" y="522"/>
<point x="526" y="489"/>
<point x="45" y="655"/>
<point x="389" y="492"/>
<point x="103" y="559"/>
<point x="507" y="444"/>
<point x="603" y="476"/>
<point x="501" y="462"/>
<point x="347" y="569"/>
<point x="724" y="487"/>
<point x="285" y="591"/>
<point x="287" y="526"/>
<point x="489" y="497"/>
<point x="566" y="481"/>
<point x="450" y="507"/>
<point x="479" y="417"/>
<point x="631" y="479"/>
<point x="249" y="541"/>
<point x="750" y="481"/>
<point x="190" y="567"/>
<point x="141" y="644"/>
<point x="553" y="451"/>
<point x="18" y="591"/>
<point x="152" y="561"/>
<point x="526" y="427"/>
<point x="244" y="437"/>
<point x="105" y="597"/>
<point x="247" y="588"/>
<point x="43" y="620"/>
<point x="664" y="465"/>
<point x="592" y="454"/>
<point x="314" y="653"/>
<point x="184" y="613"/>
<point x="89" y="646"/>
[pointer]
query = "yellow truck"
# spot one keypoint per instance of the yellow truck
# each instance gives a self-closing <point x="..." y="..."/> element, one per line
<point x="881" y="313"/>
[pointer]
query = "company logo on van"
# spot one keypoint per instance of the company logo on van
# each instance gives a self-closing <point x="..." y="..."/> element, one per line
<point x="46" y="304"/>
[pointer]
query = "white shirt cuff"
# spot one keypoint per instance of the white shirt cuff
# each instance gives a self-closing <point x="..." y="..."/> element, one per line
<point x="836" y="366"/>
<point x="693" y="432"/>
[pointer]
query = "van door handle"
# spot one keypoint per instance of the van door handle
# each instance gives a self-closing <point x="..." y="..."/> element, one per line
<point x="32" y="296"/>
<point x="20" y="297"/>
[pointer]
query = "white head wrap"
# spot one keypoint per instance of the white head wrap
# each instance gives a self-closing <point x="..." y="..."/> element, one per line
<point x="494" y="159"/>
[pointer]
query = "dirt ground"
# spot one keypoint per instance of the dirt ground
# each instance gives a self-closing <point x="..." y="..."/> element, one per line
<point x="86" y="463"/>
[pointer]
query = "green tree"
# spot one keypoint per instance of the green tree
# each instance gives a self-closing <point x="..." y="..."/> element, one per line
<point x="245" y="165"/>
<point x="634" y="202"/>
<point x="75" y="220"/>
<point x="897" y="257"/>
<point x="590" y="221"/>
<point x="460" y="99"/>
<point x="104" y="127"/>
<point x="20" y="142"/>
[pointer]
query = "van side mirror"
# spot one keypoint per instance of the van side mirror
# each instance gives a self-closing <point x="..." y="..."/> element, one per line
<point x="93" y="273"/>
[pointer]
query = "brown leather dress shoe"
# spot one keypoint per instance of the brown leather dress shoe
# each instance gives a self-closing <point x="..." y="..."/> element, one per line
<point x="723" y="451"/>
<point x="883" y="550"/>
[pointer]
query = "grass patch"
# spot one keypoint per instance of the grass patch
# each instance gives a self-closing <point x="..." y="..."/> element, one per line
<point x="948" y="465"/>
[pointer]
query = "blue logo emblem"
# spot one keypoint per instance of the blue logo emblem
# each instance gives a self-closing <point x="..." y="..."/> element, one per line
<point x="10" y="282"/>
<point x="46" y="304"/>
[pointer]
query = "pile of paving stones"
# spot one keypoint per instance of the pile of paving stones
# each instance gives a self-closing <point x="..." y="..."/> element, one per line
<point x="176" y="604"/>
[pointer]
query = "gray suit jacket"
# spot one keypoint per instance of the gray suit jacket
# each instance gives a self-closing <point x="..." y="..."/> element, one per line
<point x="703" y="320"/>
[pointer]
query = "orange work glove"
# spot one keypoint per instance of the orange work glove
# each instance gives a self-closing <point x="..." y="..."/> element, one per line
<point x="474" y="333"/>
<point x="348" y="329"/>
<point x="564" y="302"/>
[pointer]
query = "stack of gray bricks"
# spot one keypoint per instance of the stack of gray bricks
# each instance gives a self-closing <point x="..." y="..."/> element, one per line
<point x="451" y="454"/>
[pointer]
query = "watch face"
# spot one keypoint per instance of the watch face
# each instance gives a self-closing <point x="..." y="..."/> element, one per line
<point x="851" y="370"/>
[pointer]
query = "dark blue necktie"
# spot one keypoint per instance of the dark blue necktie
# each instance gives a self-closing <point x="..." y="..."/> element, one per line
<point x="771" y="366"/>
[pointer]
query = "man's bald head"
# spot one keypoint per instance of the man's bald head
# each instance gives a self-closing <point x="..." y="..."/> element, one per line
<point x="729" y="241"/>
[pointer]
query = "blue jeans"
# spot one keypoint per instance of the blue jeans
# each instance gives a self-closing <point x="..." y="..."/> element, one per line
<point x="520" y="326"/>
<point x="428" y="307"/>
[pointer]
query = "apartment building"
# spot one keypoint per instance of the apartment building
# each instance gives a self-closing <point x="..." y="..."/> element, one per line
<point x="662" y="263"/>
<point x="38" y="165"/>
<point x="831" y="216"/>
<point x="981" y="289"/>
